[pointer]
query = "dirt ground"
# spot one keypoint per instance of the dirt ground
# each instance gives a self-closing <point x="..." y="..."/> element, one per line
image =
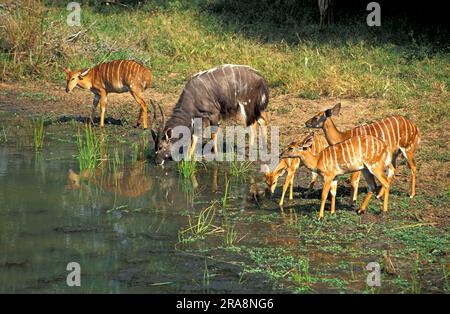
<point x="285" y="111"/>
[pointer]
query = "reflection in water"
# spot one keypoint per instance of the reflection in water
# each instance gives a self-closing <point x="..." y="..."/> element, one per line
<point x="121" y="224"/>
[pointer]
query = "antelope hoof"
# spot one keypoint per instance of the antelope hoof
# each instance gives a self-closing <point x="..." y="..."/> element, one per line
<point x="361" y="211"/>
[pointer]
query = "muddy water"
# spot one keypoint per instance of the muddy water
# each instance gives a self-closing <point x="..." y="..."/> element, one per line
<point x="119" y="223"/>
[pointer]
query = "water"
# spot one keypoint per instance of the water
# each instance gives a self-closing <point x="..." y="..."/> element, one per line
<point x="119" y="223"/>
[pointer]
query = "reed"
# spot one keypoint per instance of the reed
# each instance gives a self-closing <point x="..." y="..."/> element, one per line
<point x="39" y="133"/>
<point x="89" y="148"/>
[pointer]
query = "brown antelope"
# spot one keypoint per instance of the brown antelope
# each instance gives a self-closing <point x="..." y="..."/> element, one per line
<point x="291" y="165"/>
<point x="131" y="183"/>
<point x="399" y="134"/>
<point x="117" y="76"/>
<point x="366" y="153"/>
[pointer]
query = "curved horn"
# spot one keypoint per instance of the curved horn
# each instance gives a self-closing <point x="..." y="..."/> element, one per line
<point x="163" y="117"/>
<point x="154" y="111"/>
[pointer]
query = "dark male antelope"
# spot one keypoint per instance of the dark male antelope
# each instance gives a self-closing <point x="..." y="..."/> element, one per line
<point x="117" y="76"/>
<point x="366" y="153"/>
<point x="221" y="92"/>
<point x="291" y="165"/>
<point x="399" y="134"/>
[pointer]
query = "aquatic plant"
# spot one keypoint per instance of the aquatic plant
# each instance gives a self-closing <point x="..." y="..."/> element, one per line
<point x="201" y="227"/>
<point x="39" y="133"/>
<point x="239" y="168"/>
<point x="231" y="237"/>
<point x="89" y="148"/>
<point x="186" y="168"/>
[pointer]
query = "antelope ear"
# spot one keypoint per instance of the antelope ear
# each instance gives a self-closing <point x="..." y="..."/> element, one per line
<point x="168" y="134"/>
<point x="83" y="73"/>
<point x="334" y="111"/>
<point x="265" y="168"/>
<point x="66" y="70"/>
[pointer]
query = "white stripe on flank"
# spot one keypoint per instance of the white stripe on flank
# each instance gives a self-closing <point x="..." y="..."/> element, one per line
<point x="119" y="81"/>
<point x="226" y="80"/>
<point x="359" y="146"/>
<point x="406" y="131"/>
<point x="335" y="159"/>
<point x="370" y="129"/>
<point x="398" y="131"/>
<point x="388" y="133"/>
<point x="381" y="130"/>
<point x="367" y="147"/>
<point x="343" y="155"/>
<point x="394" y="138"/>
<point x="347" y="149"/>
<point x="353" y="152"/>
<point x="373" y="148"/>
<point x="324" y="153"/>
<point x="234" y="84"/>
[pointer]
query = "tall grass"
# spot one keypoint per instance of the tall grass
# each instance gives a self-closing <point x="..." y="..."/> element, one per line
<point x="240" y="168"/>
<point x="90" y="148"/>
<point x="187" y="168"/>
<point x="39" y="133"/>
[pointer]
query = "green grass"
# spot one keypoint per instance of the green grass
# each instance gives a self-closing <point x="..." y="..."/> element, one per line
<point x="90" y="147"/>
<point x="231" y="237"/>
<point x="240" y="168"/>
<point x="225" y="194"/>
<point x="201" y="226"/>
<point x="178" y="38"/>
<point x="187" y="168"/>
<point x="38" y="133"/>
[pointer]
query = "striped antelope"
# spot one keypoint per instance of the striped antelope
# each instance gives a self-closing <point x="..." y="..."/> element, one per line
<point x="117" y="76"/>
<point x="399" y="134"/>
<point x="358" y="153"/>
<point x="221" y="92"/>
<point x="291" y="165"/>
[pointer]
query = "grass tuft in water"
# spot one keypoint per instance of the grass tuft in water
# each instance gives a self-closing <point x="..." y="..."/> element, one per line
<point x="39" y="133"/>
<point x="240" y="168"/>
<point x="186" y="168"/>
<point x="231" y="237"/>
<point x="200" y="227"/>
<point x="225" y="194"/>
<point x="89" y="148"/>
<point x="302" y="276"/>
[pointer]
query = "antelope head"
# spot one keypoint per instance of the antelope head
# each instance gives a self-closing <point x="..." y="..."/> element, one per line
<point x="162" y="137"/>
<point x="319" y="119"/>
<point x="74" y="78"/>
